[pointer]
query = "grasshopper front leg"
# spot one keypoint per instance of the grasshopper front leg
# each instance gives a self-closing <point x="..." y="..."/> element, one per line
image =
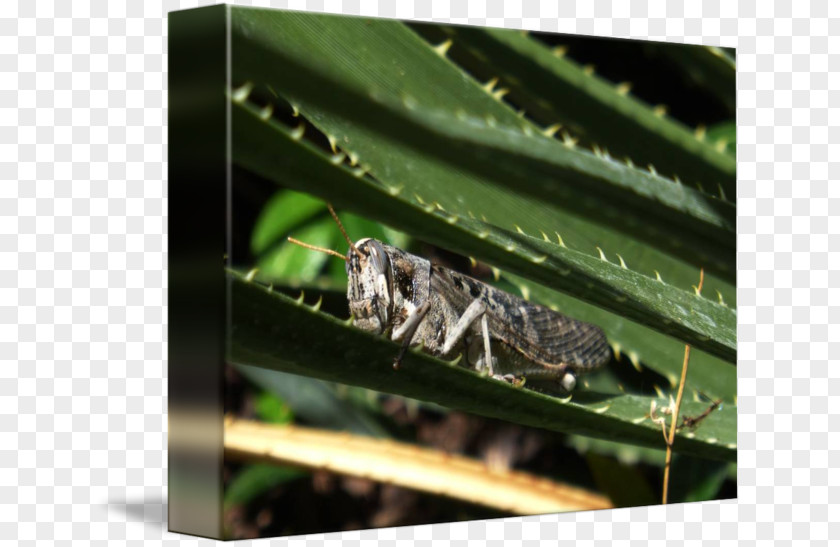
<point x="405" y="332"/>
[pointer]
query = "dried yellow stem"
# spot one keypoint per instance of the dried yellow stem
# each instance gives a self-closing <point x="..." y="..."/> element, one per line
<point x="406" y="465"/>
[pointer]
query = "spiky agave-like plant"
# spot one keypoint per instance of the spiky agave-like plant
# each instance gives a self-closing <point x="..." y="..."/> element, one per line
<point x="490" y="144"/>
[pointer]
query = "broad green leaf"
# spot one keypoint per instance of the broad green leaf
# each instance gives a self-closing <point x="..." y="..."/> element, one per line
<point x="271" y="151"/>
<point x="272" y="409"/>
<point x="283" y="211"/>
<point x="272" y="331"/>
<point x="288" y="260"/>
<point x="256" y="479"/>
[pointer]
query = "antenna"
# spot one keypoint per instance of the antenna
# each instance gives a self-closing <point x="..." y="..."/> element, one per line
<point x="319" y="249"/>
<point x="341" y="227"/>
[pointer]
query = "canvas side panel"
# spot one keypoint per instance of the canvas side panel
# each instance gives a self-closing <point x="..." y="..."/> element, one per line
<point x="198" y="236"/>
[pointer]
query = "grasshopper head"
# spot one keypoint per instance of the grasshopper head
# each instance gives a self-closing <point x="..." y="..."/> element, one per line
<point x="369" y="285"/>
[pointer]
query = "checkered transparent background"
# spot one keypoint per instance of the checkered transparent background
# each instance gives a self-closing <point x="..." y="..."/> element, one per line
<point x="83" y="257"/>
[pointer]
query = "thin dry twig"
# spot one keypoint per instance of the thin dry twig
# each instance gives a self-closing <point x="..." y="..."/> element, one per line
<point x="692" y="421"/>
<point x="675" y="412"/>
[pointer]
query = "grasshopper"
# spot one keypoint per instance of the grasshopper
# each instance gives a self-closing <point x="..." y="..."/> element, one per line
<point x="413" y="301"/>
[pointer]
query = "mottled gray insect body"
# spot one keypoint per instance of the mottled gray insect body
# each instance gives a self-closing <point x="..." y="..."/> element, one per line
<point x="384" y="285"/>
<point x="450" y="314"/>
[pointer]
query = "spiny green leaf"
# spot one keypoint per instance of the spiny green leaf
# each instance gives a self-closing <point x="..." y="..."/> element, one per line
<point x="452" y="141"/>
<point x="272" y="331"/>
<point x="269" y="150"/>
<point x="725" y="134"/>
<point x="554" y="89"/>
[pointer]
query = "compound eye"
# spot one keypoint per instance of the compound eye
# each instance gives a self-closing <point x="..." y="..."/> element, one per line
<point x="377" y="256"/>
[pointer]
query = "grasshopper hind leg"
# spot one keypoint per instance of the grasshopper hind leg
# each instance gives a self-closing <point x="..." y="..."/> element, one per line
<point x="405" y="332"/>
<point x="488" y="354"/>
<point x="479" y="355"/>
<point x="473" y="312"/>
<point x="561" y="375"/>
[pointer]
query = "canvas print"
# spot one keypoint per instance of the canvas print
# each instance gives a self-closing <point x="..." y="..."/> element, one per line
<point x="469" y="273"/>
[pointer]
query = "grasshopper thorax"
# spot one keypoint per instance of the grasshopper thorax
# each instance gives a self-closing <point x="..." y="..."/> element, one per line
<point x="369" y="287"/>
